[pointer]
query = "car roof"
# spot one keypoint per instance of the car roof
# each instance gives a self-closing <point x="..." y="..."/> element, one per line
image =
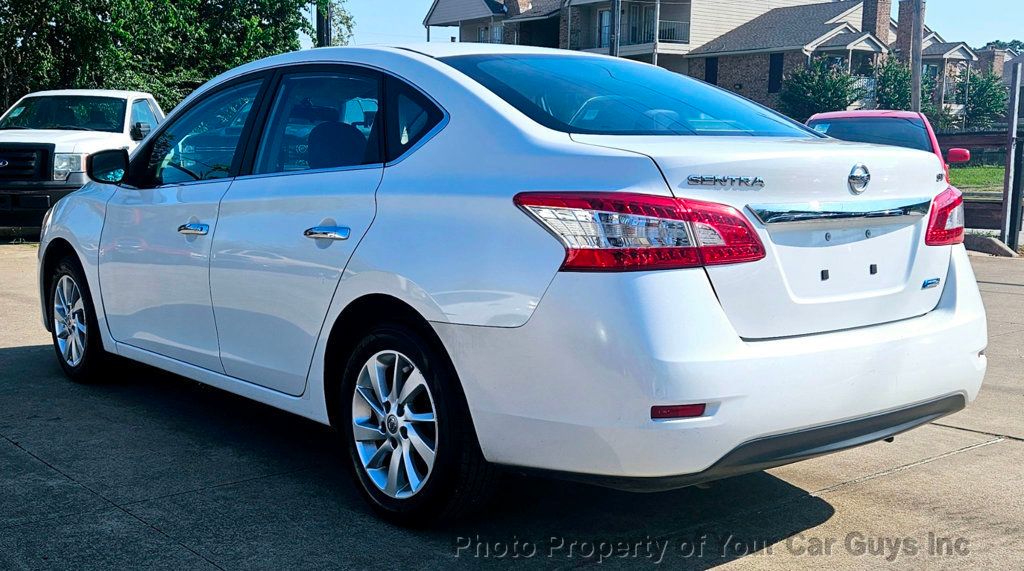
<point x="118" y="93"/>
<point x="862" y="113"/>
<point x="428" y="49"/>
<point x="445" y="49"/>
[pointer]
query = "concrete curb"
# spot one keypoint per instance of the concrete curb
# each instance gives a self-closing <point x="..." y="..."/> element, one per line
<point x="988" y="245"/>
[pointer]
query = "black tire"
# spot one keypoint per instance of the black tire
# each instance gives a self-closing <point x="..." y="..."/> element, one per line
<point x="92" y="364"/>
<point x="461" y="480"/>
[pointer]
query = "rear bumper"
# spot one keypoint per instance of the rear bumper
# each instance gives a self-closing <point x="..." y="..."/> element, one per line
<point x="772" y="451"/>
<point x="571" y="391"/>
<point x="23" y="205"/>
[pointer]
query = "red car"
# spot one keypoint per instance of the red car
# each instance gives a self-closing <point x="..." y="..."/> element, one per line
<point x="898" y="128"/>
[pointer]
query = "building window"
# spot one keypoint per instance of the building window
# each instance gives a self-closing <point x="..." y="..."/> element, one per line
<point x="481" y="34"/>
<point x="497" y="34"/>
<point x="604" y="28"/>
<point x="775" y="72"/>
<point x="711" y="70"/>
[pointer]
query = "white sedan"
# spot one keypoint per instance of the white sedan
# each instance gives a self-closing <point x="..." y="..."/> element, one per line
<point x="465" y="257"/>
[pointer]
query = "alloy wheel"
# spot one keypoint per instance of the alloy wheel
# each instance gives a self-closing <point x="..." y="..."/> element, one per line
<point x="69" y="321"/>
<point x="394" y="423"/>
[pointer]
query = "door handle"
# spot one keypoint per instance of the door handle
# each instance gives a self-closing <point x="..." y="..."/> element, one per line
<point x="328" y="232"/>
<point x="194" y="229"/>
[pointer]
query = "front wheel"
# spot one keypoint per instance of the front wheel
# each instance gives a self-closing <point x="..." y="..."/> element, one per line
<point x="409" y="434"/>
<point x="74" y="327"/>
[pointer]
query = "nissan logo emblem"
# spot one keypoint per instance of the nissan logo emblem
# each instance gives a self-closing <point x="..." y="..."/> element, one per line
<point x="859" y="179"/>
<point x="3" y="163"/>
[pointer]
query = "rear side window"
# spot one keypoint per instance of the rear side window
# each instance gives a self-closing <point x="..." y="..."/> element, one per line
<point x="322" y="119"/>
<point x="909" y="133"/>
<point x="410" y="117"/>
<point x="604" y="96"/>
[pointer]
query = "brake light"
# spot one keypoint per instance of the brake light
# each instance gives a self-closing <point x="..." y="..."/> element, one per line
<point x="612" y="231"/>
<point x="946" y="223"/>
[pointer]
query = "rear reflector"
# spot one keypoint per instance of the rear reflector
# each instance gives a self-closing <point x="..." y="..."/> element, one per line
<point x="677" y="411"/>
<point x="612" y="231"/>
<point x="946" y="224"/>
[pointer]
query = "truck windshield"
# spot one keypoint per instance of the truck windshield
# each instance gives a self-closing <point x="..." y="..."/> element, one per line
<point x="73" y="112"/>
<point x="899" y="132"/>
<point x="604" y="96"/>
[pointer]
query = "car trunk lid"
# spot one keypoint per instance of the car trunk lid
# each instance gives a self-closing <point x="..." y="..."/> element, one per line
<point x="838" y="257"/>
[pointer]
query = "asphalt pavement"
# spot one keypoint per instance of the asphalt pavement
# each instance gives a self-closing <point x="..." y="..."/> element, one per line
<point x="153" y="471"/>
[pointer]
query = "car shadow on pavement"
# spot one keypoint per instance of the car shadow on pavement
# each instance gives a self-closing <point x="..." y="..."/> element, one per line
<point x="246" y="485"/>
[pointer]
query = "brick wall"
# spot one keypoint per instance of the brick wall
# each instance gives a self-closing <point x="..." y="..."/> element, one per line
<point x="510" y="34"/>
<point x="566" y="15"/>
<point x="906" y="29"/>
<point x="747" y="75"/>
<point x="992" y="60"/>
<point x="876" y="18"/>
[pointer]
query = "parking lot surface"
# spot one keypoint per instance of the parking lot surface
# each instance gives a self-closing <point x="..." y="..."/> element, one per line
<point x="152" y="470"/>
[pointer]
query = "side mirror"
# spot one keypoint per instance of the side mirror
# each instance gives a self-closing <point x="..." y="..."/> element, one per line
<point x="958" y="156"/>
<point x="107" y="167"/>
<point x="140" y="130"/>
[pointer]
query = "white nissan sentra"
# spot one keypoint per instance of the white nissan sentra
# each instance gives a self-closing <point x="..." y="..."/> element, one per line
<point x="468" y="257"/>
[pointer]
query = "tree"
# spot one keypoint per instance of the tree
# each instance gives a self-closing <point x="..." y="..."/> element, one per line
<point x="818" y="88"/>
<point x="1016" y="45"/>
<point x="167" y="47"/>
<point x="892" y="84"/>
<point x="986" y="96"/>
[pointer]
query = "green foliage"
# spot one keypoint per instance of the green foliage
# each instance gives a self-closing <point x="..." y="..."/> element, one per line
<point x="986" y="97"/>
<point x="818" y="88"/>
<point x="892" y="84"/>
<point x="167" y="47"/>
<point x="1012" y="44"/>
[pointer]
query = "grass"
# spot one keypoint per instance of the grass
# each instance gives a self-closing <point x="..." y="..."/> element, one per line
<point x="978" y="179"/>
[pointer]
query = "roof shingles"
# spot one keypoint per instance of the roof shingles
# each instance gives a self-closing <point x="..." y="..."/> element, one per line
<point x="791" y="27"/>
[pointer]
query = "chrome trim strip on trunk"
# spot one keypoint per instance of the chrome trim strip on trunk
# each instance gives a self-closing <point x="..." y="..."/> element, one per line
<point x="795" y="213"/>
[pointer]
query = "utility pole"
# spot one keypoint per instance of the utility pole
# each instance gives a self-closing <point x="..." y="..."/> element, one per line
<point x="916" y="42"/>
<point x="323" y="25"/>
<point x="613" y="47"/>
<point x="1012" y="179"/>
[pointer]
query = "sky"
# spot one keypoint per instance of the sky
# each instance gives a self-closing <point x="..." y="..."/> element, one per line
<point x="973" y="21"/>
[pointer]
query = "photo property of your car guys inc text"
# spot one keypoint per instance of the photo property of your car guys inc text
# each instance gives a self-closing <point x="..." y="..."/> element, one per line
<point x="336" y="284"/>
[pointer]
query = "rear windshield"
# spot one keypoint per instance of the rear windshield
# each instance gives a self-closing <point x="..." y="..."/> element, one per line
<point x="605" y="96"/>
<point x="899" y="132"/>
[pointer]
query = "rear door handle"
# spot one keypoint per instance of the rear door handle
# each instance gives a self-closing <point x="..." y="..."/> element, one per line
<point x="328" y="232"/>
<point x="194" y="229"/>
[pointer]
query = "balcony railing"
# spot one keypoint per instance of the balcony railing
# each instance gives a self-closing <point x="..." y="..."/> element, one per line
<point x="868" y="87"/>
<point x="675" y="32"/>
<point x="592" y="37"/>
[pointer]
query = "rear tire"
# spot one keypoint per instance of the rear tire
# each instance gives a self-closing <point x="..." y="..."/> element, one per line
<point x="410" y="439"/>
<point x="74" y="328"/>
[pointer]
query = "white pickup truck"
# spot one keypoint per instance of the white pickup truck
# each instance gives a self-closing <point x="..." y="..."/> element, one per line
<point x="45" y="138"/>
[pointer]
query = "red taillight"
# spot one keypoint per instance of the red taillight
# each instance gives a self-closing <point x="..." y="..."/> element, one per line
<point x="611" y="231"/>
<point x="946" y="224"/>
<point x="666" y="412"/>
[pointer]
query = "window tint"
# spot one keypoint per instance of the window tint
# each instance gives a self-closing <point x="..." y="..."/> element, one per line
<point x="410" y="117"/>
<point x="202" y="143"/>
<point x="142" y="112"/>
<point x="910" y="133"/>
<point x="581" y="94"/>
<point x="321" y="120"/>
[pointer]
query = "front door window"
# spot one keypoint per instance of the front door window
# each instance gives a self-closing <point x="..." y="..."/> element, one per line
<point x="202" y="143"/>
